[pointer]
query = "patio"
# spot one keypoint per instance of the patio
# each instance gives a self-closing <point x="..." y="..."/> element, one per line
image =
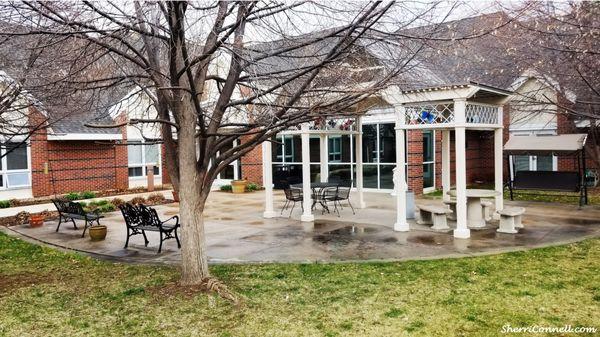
<point x="238" y="233"/>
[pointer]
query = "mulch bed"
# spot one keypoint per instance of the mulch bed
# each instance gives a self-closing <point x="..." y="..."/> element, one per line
<point x="99" y="194"/>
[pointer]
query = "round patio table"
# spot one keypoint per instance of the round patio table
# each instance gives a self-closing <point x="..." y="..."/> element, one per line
<point x="474" y="209"/>
<point x="317" y="194"/>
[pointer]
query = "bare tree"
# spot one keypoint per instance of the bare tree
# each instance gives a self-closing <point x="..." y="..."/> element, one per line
<point x="219" y="72"/>
<point x="558" y="42"/>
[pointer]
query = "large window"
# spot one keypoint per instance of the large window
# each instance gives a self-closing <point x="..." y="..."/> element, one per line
<point x="287" y="155"/>
<point x="428" y="160"/>
<point x="379" y="155"/>
<point x="14" y="166"/>
<point x="140" y="155"/>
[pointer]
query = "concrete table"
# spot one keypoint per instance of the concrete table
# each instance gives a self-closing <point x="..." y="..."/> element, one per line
<point x="474" y="209"/>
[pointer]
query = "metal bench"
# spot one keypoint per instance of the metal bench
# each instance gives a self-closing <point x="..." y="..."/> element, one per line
<point x="140" y="219"/>
<point x="434" y="214"/>
<point x="510" y="219"/>
<point x="68" y="210"/>
<point x="558" y="181"/>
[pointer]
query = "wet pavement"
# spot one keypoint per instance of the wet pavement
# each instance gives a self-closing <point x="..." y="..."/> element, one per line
<point x="236" y="232"/>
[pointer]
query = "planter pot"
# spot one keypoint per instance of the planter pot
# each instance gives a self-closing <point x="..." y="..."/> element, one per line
<point x="98" y="233"/>
<point x="238" y="186"/>
<point x="36" y="221"/>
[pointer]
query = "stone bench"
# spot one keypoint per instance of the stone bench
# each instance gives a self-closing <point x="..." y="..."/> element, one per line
<point x="487" y="209"/>
<point x="452" y="205"/>
<point x="434" y="214"/>
<point x="510" y="218"/>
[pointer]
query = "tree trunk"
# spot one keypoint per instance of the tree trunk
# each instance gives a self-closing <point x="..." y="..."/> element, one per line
<point x="193" y="252"/>
<point x="191" y="203"/>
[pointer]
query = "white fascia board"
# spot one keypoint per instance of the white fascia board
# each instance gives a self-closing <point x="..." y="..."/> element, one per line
<point x="394" y="95"/>
<point x="85" y="136"/>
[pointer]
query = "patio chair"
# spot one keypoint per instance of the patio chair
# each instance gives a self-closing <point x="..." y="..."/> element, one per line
<point x="292" y="196"/>
<point x="342" y="192"/>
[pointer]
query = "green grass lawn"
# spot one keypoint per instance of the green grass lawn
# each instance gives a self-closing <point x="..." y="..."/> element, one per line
<point x="45" y="292"/>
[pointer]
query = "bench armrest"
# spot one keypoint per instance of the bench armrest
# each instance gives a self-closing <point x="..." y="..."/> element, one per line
<point x="176" y="217"/>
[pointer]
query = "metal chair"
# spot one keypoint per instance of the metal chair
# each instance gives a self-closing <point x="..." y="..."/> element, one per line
<point x="342" y="193"/>
<point x="292" y="196"/>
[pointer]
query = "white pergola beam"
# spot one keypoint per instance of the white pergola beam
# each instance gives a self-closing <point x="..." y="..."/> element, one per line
<point x="268" y="180"/>
<point x="400" y="185"/>
<point x="324" y="158"/>
<point x="359" y="163"/>
<point x="498" y="169"/>
<point x="446" y="177"/>
<point x="461" y="231"/>
<point x="307" y="215"/>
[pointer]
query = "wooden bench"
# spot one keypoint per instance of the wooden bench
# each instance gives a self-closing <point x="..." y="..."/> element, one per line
<point x="140" y="218"/>
<point x="434" y="214"/>
<point x="487" y="209"/>
<point x="452" y="205"/>
<point x="510" y="219"/>
<point x="68" y="210"/>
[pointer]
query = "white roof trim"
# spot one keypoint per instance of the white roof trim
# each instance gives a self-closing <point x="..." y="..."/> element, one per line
<point x="545" y="80"/>
<point x="85" y="136"/>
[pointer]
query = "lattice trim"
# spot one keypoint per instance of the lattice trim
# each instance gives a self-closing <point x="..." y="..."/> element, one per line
<point x="481" y="114"/>
<point x="430" y="114"/>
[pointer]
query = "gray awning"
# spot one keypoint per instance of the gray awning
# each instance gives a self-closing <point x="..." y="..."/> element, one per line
<point x="566" y="143"/>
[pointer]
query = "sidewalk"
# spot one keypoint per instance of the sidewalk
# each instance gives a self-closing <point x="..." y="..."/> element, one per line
<point x="4" y="212"/>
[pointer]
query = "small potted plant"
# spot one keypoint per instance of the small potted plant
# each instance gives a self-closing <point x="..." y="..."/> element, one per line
<point x="238" y="186"/>
<point x="36" y="220"/>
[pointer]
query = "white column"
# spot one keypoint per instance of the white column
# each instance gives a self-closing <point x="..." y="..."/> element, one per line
<point x="324" y="172"/>
<point x="461" y="231"/>
<point x="306" y="190"/>
<point x="267" y="164"/>
<point x="446" y="181"/>
<point x="498" y="169"/>
<point x="400" y="185"/>
<point x="359" y="163"/>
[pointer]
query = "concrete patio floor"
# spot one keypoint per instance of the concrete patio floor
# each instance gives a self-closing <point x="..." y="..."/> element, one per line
<point x="237" y="233"/>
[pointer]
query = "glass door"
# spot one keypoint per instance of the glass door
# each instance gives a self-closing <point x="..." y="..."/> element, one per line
<point x="428" y="161"/>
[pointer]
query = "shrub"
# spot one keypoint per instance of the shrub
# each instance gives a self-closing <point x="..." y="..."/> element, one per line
<point x="72" y="196"/>
<point x="155" y="198"/>
<point x="138" y="200"/>
<point x="14" y="202"/>
<point x="83" y="204"/>
<point x="106" y="208"/>
<point x="4" y="204"/>
<point x="100" y="202"/>
<point x="226" y="188"/>
<point x="251" y="187"/>
<point x="117" y="202"/>
<point x="88" y="195"/>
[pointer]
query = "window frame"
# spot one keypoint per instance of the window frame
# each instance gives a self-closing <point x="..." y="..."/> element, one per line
<point x="143" y="165"/>
<point x="4" y="171"/>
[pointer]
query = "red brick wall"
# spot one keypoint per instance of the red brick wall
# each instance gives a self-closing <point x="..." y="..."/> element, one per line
<point x="479" y="157"/>
<point x="414" y="179"/>
<point x="252" y="165"/>
<point x="75" y="166"/>
<point x="40" y="184"/>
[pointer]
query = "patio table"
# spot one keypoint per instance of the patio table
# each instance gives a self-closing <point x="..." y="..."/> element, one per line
<point x="474" y="209"/>
<point x="317" y="194"/>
